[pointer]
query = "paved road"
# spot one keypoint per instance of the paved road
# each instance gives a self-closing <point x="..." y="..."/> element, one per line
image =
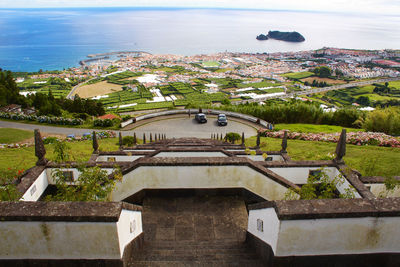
<point x="318" y="90"/>
<point x="174" y="127"/>
<point x="188" y="127"/>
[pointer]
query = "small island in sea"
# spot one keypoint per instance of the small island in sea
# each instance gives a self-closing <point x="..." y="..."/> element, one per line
<point x="282" y="36"/>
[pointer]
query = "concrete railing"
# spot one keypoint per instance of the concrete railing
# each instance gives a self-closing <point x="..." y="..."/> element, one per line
<point x="195" y="111"/>
<point x="43" y="232"/>
<point x="326" y="227"/>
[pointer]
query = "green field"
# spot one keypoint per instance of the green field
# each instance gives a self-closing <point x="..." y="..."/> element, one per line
<point x="369" y="160"/>
<point x="298" y="75"/>
<point x="312" y="128"/>
<point x="357" y="157"/>
<point x="210" y="64"/>
<point x="258" y="85"/>
<point x="24" y="158"/>
<point x="346" y="97"/>
<point x="58" y="87"/>
<point x="9" y="136"/>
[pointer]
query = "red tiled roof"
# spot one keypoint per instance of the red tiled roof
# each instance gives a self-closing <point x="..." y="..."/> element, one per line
<point x="108" y="116"/>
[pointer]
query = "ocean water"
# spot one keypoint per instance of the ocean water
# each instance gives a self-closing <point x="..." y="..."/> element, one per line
<point x="50" y="39"/>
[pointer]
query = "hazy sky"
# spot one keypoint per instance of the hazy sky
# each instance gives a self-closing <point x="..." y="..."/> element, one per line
<point x="363" y="6"/>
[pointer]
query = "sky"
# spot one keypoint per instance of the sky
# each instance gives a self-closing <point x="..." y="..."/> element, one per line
<point x="359" y="6"/>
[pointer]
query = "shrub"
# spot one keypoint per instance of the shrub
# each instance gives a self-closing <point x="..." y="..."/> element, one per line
<point x="128" y="141"/>
<point x="383" y="120"/>
<point x="126" y="117"/>
<point x="231" y="137"/>
<point x="50" y="140"/>
<point x="103" y="123"/>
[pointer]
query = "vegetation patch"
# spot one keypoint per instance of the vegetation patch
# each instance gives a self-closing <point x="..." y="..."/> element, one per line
<point x="9" y="135"/>
<point x="96" y="89"/>
<point x="298" y="75"/>
<point x="357" y="157"/>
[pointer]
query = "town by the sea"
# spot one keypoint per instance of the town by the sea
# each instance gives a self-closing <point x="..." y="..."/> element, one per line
<point x="55" y="39"/>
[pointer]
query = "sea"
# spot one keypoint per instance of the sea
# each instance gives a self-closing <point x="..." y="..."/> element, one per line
<point x="56" y="39"/>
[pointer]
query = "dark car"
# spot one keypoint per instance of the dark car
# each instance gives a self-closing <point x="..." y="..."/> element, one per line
<point x="222" y="120"/>
<point x="201" y="118"/>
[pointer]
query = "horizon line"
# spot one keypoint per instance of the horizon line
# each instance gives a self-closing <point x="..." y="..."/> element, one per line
<point x="197" y="8"/>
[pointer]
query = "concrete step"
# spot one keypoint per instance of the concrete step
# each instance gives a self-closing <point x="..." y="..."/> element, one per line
<point x="206" y="263"/>
<point x="195" y="244"/>
<point x="197" y="252"/>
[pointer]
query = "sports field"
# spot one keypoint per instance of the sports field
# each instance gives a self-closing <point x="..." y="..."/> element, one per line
<point x="96" y="89"/>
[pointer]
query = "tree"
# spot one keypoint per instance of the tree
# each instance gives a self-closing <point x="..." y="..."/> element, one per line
<point x="93" y="184"/>
<point x="322" y="72"/>
<point x="61" y="151"/>
<point x="363" y="100"/>
<point x="339" y="73"/>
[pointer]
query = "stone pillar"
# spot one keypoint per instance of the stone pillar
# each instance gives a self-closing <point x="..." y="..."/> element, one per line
<point x="258" y="140"/>
<point x="243" y="139"/>
<point x="120" y="140"/>
<point x="221" y="137"/>
<point x="144" y="138"/>
<point x="151" y="138"/>
<point x="284" y="143"/>
<point x="95" y="143"/>
<point x="341" y="147"/>
<point x="155" y="137"/>
<point x="134" y="138"/>
<point x="40" y="150"/>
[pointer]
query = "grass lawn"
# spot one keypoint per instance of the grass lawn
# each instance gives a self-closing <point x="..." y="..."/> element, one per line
<point x="369" y="160"/>
<point x="376" y="97"/>
<point x="313" y="128"/>
<point x="210" y="64"/>
<point x="24" y="158"/>
<point x="8" y="135"/>
<point x="298" y="75"/>
<point x="258" y="85"/>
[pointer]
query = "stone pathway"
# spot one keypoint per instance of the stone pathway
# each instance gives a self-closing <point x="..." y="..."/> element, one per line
<point x="194" y="231"/>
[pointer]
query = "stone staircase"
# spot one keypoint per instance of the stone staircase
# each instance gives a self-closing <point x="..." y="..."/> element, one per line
<point x="195" y="254"/>
<point x="194" y="231"/>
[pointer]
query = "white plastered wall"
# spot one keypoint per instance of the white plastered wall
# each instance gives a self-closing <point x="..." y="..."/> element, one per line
<point x="189" y="154"/>
<point x="380" y="190"/>
<point x="118" y="158"/>
<point x="339" y="236"/>
<point x="271" y="224"/>
<point x="35" y="191"/>
<point x="170" y="177"/>
<point x="129" y="227"/>
<point x="58" y="240"/>
<point x="261" y="158"/>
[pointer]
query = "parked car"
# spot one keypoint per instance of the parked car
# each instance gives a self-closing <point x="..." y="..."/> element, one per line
<point x="222" y="120"/>
<point x="201" y="118"/>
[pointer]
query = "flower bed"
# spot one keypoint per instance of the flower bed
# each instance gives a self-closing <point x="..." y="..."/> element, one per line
<point x="41" y="119"/>
<point x="354" y="138"/>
